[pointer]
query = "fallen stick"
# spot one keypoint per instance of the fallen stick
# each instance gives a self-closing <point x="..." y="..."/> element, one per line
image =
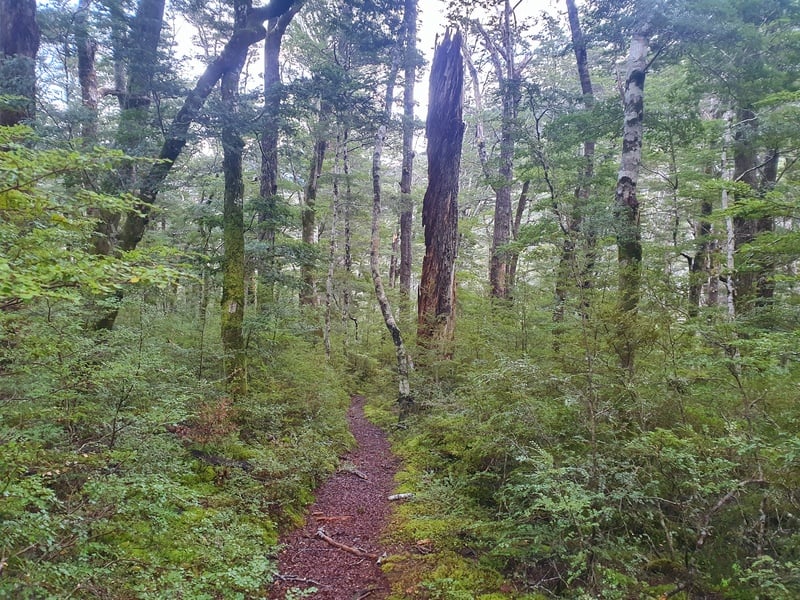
<point x="323" y="519"/>
<point x="296" y="579"/>
<point x="406" y="496"/>
<point x="354" y="551"/>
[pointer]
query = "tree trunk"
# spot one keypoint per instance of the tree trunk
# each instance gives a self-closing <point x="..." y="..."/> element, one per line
<point x="445" y="132"/>
<point x="347" y="294"/>
<point x="568" y="269"/>
<point x="273" y="96"/>
<point x="730" y="227"/>
<point x="87" y="74"/>
<point x="141" y="63"/>
<point x="233" y="275"/>
<point x="765" y="284"/>
<point x="19" y="43"/>
<point x="513" y="257"/>
<point x="629" y="242"/>
<point x="332" y="251"/>
<point x="502" y="58"/>
<point x="406" y="201"/>
<point x="700" y="266"/>
<point x="745" y="229"/>
<point x="394" y="267"/>
<point x="308" y="292"/>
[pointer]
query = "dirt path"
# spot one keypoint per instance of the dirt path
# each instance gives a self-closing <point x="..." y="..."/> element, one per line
<point x="352" y="509"/>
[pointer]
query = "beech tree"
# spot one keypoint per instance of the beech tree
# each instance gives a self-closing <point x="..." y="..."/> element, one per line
<point x="626" y="202"/>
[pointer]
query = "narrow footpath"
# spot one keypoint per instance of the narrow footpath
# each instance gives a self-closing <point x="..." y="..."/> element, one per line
<point x="337" y="551"/>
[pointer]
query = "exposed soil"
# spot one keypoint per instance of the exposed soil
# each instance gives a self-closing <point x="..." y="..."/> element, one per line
<point x="351" y="509"/>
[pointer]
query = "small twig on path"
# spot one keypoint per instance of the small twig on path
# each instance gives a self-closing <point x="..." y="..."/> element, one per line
<point x="354" y="551"/>
<point x="296" y="579"/>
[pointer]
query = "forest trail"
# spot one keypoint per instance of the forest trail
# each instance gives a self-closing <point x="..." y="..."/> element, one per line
<point x="351" y="509"/>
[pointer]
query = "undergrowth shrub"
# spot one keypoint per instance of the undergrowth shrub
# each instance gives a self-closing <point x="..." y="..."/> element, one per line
<point x="573" y="478"/>
<point x="123" y="474"/>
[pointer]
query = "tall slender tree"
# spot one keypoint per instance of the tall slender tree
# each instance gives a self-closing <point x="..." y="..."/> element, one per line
<point x="626" y="202"/>
<point x="406" y="201"/>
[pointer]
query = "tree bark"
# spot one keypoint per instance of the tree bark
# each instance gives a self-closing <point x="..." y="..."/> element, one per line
<point x="629" y="242"/>
<point x="445" y="132"/>
<point x="19" y="44"/>
<point x="406" y="201"/>
<point x="347" y="294"/>
<point x="233" y="275"/>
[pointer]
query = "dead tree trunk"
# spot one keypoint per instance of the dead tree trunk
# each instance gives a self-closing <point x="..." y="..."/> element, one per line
<point x="445" y="132"/>
<point x="629" y="241"/>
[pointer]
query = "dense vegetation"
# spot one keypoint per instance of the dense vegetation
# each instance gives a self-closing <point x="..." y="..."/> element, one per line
<point x="188" y="284"/>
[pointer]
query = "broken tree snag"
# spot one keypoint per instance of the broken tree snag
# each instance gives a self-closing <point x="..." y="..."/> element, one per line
<point x="445" y="132"/>
<point x="354" y="551"/>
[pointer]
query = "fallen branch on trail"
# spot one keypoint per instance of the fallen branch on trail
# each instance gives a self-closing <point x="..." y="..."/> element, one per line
<point x="406" y="496"/>
<point x="354" y="551"/>
<point x="349" y="467"/>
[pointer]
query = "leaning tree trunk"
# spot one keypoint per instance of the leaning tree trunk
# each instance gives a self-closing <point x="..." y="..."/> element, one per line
<point x="19" y="43"/>
<point x="629" y="241"/>
<point x="404" y="398"/>
<point x="445" y="132"/>
<point x="233" y="276"/>
<point x="235" y="50"/>
<point x="406" y="202"/>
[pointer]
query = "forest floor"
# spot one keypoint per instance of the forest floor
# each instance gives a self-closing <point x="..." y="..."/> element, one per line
<point x="337" y="550"/>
